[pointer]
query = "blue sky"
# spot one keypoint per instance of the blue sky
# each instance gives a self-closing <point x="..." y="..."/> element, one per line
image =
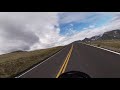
<point x="89" y="20"/>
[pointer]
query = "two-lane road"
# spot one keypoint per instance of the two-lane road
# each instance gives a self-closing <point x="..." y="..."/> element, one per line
<point x="78" y="57"/>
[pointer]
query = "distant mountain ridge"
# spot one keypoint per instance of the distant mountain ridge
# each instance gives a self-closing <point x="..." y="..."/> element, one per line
<point x="110" y="35"/>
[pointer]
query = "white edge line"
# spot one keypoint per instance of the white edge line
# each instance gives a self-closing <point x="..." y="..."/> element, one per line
<point x="104" y="49"/>
<point x="39" y="64"/>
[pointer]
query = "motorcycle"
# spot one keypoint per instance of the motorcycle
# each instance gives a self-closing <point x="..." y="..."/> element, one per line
<point x="74" y="74"/>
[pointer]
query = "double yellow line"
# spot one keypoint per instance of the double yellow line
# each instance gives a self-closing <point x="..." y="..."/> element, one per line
<point x="62" y="69"/>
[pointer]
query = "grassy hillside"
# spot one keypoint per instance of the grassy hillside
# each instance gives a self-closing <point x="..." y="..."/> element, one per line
<point x="109" y="44"/>
<point x="14" y="63"/>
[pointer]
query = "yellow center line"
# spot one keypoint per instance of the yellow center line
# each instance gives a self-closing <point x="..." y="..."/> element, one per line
<point x="62" y="69"/>
<point x="67" y="60"/>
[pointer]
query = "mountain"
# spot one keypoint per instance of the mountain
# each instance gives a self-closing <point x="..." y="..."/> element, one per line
<point x="110" y="35"/>
<point x="86" y="40"/>
<point x="115" y="34"/>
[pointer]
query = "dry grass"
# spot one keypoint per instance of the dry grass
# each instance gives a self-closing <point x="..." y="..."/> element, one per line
<point x="14" y="63"/>
<point x="109" y="44"/>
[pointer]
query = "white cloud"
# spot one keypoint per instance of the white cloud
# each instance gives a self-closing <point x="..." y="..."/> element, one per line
<point x="28" y="30"/>
<point x="68" y="17"/>
<point x="91" y="26"/>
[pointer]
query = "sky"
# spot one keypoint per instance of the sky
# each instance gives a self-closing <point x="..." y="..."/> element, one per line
<point x="39" y="30"/>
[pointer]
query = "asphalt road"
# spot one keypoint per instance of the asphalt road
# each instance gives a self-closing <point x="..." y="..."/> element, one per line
<point x="78" y="57"/>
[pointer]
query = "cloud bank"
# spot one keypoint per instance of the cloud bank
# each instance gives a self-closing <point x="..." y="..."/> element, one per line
<point x="28" y="31"/>
<point x="39" y="30"/>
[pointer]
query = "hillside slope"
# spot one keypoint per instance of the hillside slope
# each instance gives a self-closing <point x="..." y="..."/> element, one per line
<point x="16" y="62"/>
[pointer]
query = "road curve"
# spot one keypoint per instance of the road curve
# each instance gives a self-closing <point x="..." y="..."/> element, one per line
<point x="79" y="57"/>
